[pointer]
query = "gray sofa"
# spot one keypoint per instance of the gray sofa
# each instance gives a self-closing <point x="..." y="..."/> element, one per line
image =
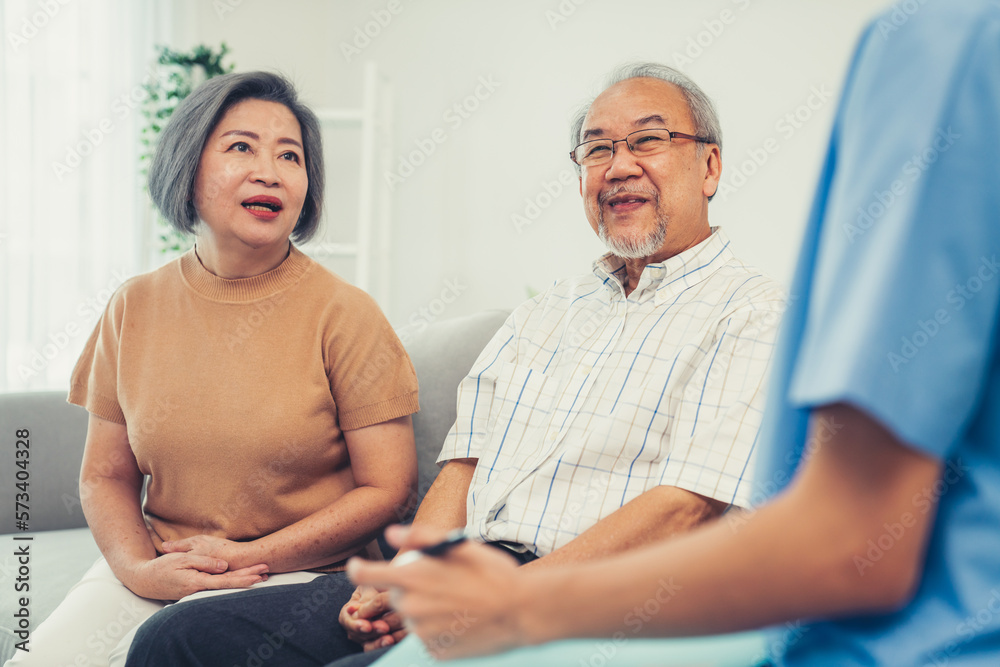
<point x="62" y="549"/>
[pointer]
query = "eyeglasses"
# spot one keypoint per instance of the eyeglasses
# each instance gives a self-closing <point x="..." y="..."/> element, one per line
<point x="641" y="143"/>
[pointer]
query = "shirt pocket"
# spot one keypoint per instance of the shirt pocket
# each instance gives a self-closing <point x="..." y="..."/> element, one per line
<point x="522" y="400"/>
<point x="640" y="425"/>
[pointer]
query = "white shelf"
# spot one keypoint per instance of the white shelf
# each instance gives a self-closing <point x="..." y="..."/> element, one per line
<point x="370" y="250"/>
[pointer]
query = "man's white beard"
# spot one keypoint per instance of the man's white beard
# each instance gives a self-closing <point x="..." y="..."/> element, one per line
<point x="631" y="247"/>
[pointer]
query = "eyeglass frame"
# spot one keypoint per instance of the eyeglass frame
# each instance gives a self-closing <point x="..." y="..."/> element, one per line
<point x="670" y="134"/>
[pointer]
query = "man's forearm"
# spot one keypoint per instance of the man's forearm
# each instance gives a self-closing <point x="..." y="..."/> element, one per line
<point x="444" y="504"/>
<point x="657" y="514"/>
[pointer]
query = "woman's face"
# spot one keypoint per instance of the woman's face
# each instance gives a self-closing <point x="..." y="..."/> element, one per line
<point x="251" y="181"/>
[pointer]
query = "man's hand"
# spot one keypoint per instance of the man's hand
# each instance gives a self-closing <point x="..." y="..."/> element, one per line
<point x="174" y="576"/>
<point x="469" y="592"/>
<point x="369" y="619"/>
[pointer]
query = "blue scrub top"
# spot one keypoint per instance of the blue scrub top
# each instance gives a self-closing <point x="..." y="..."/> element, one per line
<point x="894" y="310"/>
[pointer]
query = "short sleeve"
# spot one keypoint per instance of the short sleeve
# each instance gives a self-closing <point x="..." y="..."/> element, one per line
<point x="720" y="412"/>
<point x="94" y="381"/>
<point x="371" y="377"/>
<point x="902" y="306"/>
<point x="476" y="394"/>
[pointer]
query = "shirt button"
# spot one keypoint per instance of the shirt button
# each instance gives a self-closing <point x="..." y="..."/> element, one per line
<point x="586" y="370"/>
<point x="553" y="435"/>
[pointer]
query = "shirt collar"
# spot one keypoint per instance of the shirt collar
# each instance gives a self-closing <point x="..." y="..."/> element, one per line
<point x="665" y="279"/>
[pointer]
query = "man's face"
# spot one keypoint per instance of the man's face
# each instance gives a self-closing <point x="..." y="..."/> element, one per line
<point x="655" y="206"/>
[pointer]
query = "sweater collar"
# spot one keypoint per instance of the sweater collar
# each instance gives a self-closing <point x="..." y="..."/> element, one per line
<point x="243" y="290"/>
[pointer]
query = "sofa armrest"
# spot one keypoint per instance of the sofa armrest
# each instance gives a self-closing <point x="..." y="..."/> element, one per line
<point x="57" y="432"/>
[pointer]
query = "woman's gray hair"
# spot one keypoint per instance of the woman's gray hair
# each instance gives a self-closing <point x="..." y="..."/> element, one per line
<point x="706" y="120"/>
<point x="178" y="152"/>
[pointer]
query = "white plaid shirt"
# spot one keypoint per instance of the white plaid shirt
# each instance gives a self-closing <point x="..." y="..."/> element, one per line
<point x="584" y="399"/>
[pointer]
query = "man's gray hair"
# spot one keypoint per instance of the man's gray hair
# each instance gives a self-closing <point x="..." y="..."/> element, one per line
<point x="178" y="152"/>
<point x="706" y="120"/>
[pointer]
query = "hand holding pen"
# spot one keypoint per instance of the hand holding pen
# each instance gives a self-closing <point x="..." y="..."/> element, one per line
<point x="451" y="590"/>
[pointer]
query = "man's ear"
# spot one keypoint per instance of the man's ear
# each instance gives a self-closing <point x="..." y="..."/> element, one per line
<point x="713" y="169"/>
<point x="581" y="185"/>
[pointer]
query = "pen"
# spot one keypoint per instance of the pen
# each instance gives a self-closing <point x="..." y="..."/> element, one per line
<point x="452" y="540"/>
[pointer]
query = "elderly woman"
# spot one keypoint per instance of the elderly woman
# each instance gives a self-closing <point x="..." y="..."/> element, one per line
<point x="264" y="403"/>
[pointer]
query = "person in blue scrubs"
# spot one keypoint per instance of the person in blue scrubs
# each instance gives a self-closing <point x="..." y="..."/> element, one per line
<point x="882" y="439"/>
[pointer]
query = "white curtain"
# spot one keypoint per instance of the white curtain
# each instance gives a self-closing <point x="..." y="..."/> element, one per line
<point x="73" y="209"/>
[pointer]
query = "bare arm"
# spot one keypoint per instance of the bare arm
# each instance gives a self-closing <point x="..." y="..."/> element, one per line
<point x="384" y="464"/>
<point x="656" y="515"/>
<point x="444" y="505"/>
<point x="795" y="558"/>
<point x="110" y="486"/>
<point x="778" y="566"/>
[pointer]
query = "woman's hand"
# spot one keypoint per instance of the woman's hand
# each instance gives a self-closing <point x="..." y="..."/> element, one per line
<point x="174" y="576"/>
<point x="369" y="619"/>
<point x="238" y="555"/>
<point x="110" y="486"/>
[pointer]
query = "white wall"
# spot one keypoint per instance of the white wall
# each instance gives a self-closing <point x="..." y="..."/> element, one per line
<point x="454" y="216"/>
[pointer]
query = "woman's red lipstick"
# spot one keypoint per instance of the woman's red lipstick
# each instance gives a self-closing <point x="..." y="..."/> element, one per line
<point x="263" y="207"/>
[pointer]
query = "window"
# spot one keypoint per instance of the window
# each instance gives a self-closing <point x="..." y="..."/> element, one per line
<point x="75" y="218"/>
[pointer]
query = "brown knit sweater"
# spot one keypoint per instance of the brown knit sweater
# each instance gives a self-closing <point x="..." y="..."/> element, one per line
<point x="236" y="393"/>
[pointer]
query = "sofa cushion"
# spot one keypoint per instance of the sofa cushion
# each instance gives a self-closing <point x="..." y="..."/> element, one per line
<point x="442" y="354"/>
<point x="57" y="560"/>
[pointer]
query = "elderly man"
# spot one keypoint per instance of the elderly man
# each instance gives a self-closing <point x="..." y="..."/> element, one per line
<point x="884" y="534"/>
<point x="612" y="411"/>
